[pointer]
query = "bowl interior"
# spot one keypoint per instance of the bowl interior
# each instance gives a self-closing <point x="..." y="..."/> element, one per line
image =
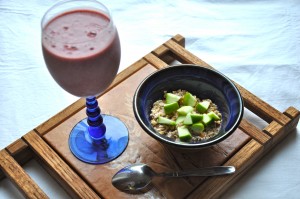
<point x="200" y="81"/>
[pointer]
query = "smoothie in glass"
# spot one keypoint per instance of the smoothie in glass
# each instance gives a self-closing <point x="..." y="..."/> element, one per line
<point x="82" y="51"/>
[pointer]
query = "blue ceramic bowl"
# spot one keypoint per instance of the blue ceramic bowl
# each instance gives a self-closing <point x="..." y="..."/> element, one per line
<point x="199" y="81"/>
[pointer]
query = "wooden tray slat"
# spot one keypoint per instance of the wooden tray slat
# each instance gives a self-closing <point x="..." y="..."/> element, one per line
<point x="252" y="102"/>
<point x="184" y="55"/>
<point x="242" y="160"/>
<point x="75" y="185"/>
<point x="254" y="132"/>
<point x="164" y="52"/>
<point x="155" y="61"/>
<point x="261" y="108"/>
<point x="278" y="131"/>
<point x="20" y="152"/>
<point x="19" y="177"/>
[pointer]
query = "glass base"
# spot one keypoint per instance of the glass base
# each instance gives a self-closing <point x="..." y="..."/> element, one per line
<point x="115" y="142"/>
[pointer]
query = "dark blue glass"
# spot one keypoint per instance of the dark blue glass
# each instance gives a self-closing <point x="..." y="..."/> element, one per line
<point x="99" y="138"/>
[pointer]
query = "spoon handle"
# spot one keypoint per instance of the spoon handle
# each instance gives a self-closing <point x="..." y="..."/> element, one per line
<point x="208" y="171"/>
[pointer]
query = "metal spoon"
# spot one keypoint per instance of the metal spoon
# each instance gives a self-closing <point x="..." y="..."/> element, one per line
<point x="136" y="178"/>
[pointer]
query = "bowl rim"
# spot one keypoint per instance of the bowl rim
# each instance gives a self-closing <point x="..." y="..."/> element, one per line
<point x="183" y="144"/>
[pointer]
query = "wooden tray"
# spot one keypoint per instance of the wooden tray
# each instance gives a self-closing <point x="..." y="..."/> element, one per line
<point x="48" y="143"/>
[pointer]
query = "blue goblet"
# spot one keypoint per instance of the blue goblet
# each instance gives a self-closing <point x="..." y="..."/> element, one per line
<point x="81" y="49"/>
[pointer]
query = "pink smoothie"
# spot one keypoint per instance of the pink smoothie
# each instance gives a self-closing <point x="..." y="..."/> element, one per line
<point x="82" y="51"/>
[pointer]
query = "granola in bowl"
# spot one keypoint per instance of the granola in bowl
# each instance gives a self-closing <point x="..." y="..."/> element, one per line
<point x="185" y="117"/>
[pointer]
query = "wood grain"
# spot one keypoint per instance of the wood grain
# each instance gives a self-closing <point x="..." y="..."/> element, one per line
<point x="80" y="104"/>
<point x="60" y="117"/>
<point x="19" y="177"/>
<point x="278" y="131"/>
<point x="48" y="143"/>
<point x="155" y="61"/>
<point x="254" y="132"/>
<point x="141" y="147"/>
<point x="247" y="156"/>
<point x="252" y="102"/>
<point x="184" y="55"/>
<point x="213" y="187"/>
<point x="164" y="52"/>
<point x="20" y="152"/>
<point x="73" y="184"/>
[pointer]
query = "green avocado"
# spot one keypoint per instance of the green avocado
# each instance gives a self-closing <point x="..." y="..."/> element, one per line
<point x="206" y="119"/>
<point x="196" y="117"/>
<point x="213" y="115"/>
<point x="170" y="108"/>
<point x="184" y="110"/>
<point x="180" y="119"/>
<point x="197" y="127"/>
<point x="189" y="100"/>
<point x="164" y="120"/>
<point x="202" y="107"/>
<point x="170" y="98"/>
<point x="184" y="133"/>
<point x="188" y="119"/>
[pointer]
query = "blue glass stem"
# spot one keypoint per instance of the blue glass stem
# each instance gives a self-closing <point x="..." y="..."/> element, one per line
<point x="93" y="142"/>
<point x="96" y="127"/>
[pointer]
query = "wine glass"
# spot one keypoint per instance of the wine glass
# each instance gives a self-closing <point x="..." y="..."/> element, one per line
<point x="82" y="52"/>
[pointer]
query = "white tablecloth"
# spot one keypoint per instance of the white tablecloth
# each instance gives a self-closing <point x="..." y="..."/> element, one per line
<point x="256" y="43"/>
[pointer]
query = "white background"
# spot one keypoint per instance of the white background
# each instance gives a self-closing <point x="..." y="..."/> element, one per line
<point x="255" y="43"/>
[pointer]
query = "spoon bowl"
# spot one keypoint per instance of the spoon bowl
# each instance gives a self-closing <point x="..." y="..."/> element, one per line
<point x="137" y="178"/>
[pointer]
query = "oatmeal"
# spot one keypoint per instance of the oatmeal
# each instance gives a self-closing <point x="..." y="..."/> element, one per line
<point x="184" y="117"/>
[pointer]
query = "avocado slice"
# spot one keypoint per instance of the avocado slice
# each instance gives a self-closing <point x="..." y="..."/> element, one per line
<point x="196" y="117"/>
<point x="170" y="108"/>
<point x="164" y="120"/>
<point x="184" y="110"/>
<point x="170" y="98"/>
<point x="180" y="119"/>
<point x="184" y="133"/>
<point x="188" y="119"/>
<point x="206" y="119"/>
<point x="202" y="107"/>
<point x="213" y="115"/>
<point x="189" y="100"/>
<point x="197" y="127"/>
